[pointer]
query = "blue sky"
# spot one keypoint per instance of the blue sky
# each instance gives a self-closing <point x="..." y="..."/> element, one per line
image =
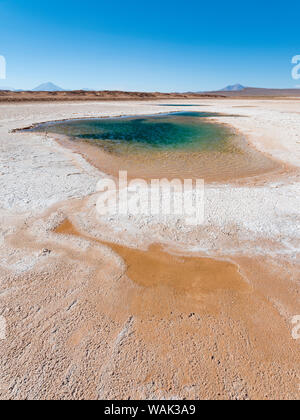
<point x="151" y="46"/>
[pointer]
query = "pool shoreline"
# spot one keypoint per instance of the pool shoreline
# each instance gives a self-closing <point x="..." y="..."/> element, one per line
<point x="98" y="156"/>
<point x="72" y="305"/>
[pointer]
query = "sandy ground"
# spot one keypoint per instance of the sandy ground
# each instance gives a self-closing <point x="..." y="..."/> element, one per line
<point x="83" y="322"/>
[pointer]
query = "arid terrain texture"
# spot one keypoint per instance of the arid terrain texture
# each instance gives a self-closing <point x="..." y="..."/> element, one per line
<point x="131" y="307"/>
<point x="106" y="95"/>
<point x="7" y="96"/>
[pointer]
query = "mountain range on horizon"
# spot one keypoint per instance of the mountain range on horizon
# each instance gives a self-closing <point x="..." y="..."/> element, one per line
<point x="236" y="89"/>
<point x="51" y="87"/>
<point x="233" y="88"/>
<point x="48" y="87"/>
<point x="45" y="87"/>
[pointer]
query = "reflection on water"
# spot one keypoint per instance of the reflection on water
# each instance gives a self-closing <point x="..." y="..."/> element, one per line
<point x="185" y="144"/>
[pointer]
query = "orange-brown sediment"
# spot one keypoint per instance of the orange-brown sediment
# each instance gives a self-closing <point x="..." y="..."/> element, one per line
<point x="186" y="275"/>
<point x="242" y="162"/>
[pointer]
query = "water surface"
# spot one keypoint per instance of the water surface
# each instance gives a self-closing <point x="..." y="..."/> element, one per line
<point x="181" y="144"/>
<point x="178" y="131"/>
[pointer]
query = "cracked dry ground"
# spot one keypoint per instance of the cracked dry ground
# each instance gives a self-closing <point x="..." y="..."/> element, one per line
<point x="81" y="328"/>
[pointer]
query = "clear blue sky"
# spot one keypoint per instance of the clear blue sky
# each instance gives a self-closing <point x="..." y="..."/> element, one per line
<point x="159" y="45"/>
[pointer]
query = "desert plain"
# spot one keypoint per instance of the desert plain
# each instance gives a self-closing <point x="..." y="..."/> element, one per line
<point x="147" y="307"/>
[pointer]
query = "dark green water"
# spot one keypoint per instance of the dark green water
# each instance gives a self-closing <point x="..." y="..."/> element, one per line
<point x="182" y="144"/>
<point x="178" y="131"/>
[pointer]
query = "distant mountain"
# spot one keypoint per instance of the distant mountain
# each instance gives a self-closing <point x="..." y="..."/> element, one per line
<point x="7" y="88"/>
<point x="233" y="88"/>
<point x="45" y="87"/>
<point x="48" y="87"/>
<point x="239" y="91"/>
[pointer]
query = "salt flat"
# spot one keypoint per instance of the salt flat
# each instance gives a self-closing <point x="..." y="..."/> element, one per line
<point x="77" y="325"/>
